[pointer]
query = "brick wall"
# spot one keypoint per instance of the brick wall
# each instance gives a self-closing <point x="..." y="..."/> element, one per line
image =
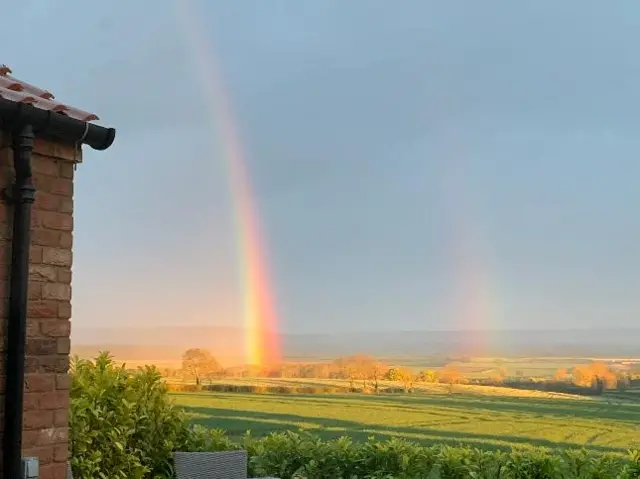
<point x="46" y="400"/>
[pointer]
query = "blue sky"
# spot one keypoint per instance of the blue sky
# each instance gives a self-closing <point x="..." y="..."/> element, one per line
<point x="406" y="157"/>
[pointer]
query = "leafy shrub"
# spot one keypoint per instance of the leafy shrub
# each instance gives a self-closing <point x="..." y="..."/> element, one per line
<point x="122" y="424"/>
<point x="292" y="456"/>
<point x="299" y="455"/>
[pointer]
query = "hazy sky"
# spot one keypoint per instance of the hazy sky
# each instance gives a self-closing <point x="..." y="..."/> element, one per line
<point x="417" y="164"/>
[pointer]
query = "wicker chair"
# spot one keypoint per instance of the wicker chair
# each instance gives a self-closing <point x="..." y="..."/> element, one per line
<point x="211" y="465"/>
<point x="206" y="465"/>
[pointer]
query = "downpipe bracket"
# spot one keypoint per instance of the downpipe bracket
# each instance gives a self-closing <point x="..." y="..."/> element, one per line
<point x="22" y="189"/>
<point x="24" y="193"/>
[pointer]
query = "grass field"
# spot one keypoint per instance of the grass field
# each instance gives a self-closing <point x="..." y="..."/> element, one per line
<point x="472" y="416"/>
<point x="419" y="387"/>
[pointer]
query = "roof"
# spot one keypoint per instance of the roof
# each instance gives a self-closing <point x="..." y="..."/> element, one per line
<point x="19" y="91"/>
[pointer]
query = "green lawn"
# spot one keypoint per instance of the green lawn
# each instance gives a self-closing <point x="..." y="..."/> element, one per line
<point x="485" y="421"/>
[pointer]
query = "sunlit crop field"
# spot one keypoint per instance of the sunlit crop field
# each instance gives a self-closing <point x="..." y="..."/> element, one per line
<point x="419" y="387"/>
<point x="472" y="416"/>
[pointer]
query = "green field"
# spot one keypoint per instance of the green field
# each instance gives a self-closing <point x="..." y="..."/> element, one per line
<point x="477" y="367"/>
<point x="471" y="417"/>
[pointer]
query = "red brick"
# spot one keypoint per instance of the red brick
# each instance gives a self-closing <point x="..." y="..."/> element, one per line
<point x="45" y="237"/>
<point x="53" y="363"/>
<point x="37" y="419"/>
<point x="55" y="328"/>
<point x="64" y="275"/>
<point x="52" y="185"/>
<point x="57" y="256"/>
<point x="60" y="453"/>
<point x="54" y="400"/>
<point x="35" y="254"/>
<point x="42" y="272"/>
<point x="33" y="329"/>
<point x="31" y="401"/>
<point x="42" y="347"/>
<point x="56" y="470"/>
<point x="34" y="438"/>
<point x="66" y="205"/>
<point x="61" y="416"/>
<point x="64" y="346"/>
<point x="61" y="292"/>
<point x="30" y="362"/>
<point x="63" y="381"/>
<point x="44" y="455"/>
<point x="48" y="202"/>
<point x="39" y="382"/>
<point x="36" y="219"/>
<point x="57" y="221"/>
<point x="62" y="365"/>
<point x="64" y="310"/>
<point x="30" y="439"/>
<point x="67" y="170"/>
<point x="52" y="436"/>
<point x="60" y="186"/>
<point x="42" y="309"/>
<point x="44" y="165"/>
<point x="54" y="150"/>
<point x="66" y="239"/>
<point x="35" y="290"/>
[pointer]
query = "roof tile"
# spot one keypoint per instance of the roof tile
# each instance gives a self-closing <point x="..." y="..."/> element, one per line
<point x="22" y="92"/>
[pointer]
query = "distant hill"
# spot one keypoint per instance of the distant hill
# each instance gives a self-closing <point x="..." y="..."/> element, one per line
<point x="161" y="343"/>
<point x="228" y="343"/>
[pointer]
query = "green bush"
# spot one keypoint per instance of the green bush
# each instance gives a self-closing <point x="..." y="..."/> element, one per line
<point x="291" y="455"/>
<point x="123" y="425"/>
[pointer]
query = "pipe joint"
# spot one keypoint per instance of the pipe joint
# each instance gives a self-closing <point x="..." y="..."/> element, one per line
<point x="24" y="192"/>
<point x="23" y="142"/>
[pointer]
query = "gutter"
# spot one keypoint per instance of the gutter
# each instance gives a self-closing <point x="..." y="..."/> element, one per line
<point x="54" y="125"/>
<point x="25" y="122"/>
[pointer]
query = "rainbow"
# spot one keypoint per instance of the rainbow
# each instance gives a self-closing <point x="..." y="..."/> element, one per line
<point x="259" y="313"/>
<point x="474" y="307"/>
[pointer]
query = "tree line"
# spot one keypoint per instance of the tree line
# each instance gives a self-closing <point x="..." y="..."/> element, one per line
<point x="366" y="372"/>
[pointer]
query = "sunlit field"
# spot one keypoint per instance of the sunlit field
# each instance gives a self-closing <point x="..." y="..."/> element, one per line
<point x="418" y="387"/>
<point x="478" y="417"/>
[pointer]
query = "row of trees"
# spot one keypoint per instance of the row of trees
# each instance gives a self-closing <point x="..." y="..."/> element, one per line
<point x="596" y="375"/>
<point x="367" y="371"/>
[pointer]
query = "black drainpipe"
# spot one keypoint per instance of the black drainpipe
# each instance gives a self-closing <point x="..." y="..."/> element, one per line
<point x="22" y="198"/>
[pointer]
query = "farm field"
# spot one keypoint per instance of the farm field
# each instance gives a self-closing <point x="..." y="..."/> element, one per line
<point x="478" y="417"/>
<point x="475" y="366"/>
<point x="419" y="387"/>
